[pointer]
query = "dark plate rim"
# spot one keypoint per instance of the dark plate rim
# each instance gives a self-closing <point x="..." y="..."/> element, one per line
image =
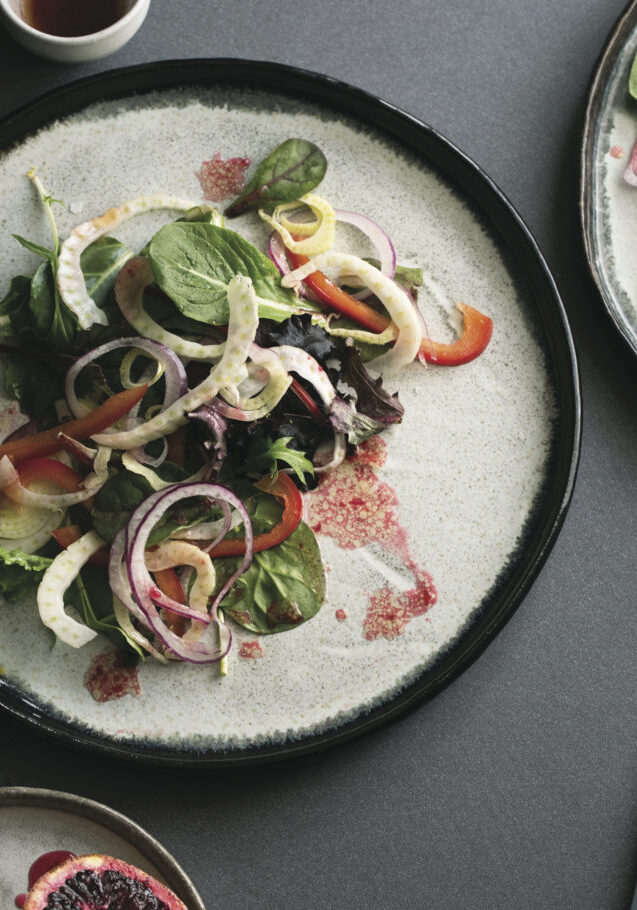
<point x="624" y="25"/>
<point x="513" y="235"/>
<point x="167" y="866"/>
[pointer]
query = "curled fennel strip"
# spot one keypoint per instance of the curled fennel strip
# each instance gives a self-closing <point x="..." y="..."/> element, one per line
<point x="62" y="571"/>
<point x="322" y="236"/>
<point x="397" y="303"/>
<point x="246" y="408"/>
<point x="229" y="371"/>
<point x="131" y="283"/>
<point x="297" y="361"/>
<point x="173" y="553"/>
<point x="70" y="280"/>
<point x="390" y="333"/>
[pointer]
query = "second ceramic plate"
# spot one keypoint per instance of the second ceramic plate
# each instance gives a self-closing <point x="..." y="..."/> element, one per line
<point x="608" y="201"/>
<point x="34" y="822"/>
<point x="469" y="490"/>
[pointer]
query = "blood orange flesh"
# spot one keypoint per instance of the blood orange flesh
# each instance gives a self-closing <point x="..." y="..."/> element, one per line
<point x="99" y="882"/>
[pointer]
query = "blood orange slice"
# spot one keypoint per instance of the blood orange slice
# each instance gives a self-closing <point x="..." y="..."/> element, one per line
<point x="99" y="883"/>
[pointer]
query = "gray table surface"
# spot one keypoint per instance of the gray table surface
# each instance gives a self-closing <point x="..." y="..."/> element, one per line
<point x="517" y="786"/>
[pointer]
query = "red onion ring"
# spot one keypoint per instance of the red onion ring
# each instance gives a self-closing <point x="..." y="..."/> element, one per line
<point x="379" y="238"/>
<point x="137" y="532"/>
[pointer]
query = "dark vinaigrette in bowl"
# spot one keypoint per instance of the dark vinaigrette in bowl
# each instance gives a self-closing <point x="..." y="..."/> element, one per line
<point x="72" y="18"/>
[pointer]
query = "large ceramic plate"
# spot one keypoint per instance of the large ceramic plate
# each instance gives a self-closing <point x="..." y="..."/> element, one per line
<point x="471" y="488"/>
<point x="608" y="202"/>
<point x="34" y="822"/>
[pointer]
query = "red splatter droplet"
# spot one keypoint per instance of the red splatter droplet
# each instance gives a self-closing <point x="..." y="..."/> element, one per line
<point x="21" y="900"/>
<point x="250" y="650"/>
<point x="617" y="152"/>
<point x="109" y="677"/>
<point x="354" y="507"/>
<point x="220" y="179"/>
<point x="341" y="615"/>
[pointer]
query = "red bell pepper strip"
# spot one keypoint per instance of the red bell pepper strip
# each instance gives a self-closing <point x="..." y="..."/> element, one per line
<point x="287" y="492"/>
<point x="47" y="443"/>
<point x="168" y="582"/>
<point x="476" y="335"/>
<point x="306" y="399"/>
<point x="49" y="469"/>
<point x="70" y="533"/>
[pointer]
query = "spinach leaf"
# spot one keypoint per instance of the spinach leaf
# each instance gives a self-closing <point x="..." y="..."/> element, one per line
<point x="193" y="263"/>
<point x="284" y="586"/>
<point x="101" y="263"/>
<point x="52" y="321"/>
<point x="33" y="383"/>
<point x="21" y="572"/>
<point x="294" y="168"/>
<point x="115" y="502"/>
<point x="632" y="80"/>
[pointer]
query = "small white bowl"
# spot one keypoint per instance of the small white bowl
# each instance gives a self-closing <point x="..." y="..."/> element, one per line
<point x="74" y="50"/>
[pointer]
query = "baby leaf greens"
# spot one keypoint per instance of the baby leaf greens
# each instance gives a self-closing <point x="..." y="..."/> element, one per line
<point x="294" y="168"/>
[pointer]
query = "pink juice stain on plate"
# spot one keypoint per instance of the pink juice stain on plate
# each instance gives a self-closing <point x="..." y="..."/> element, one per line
<point x="221" y="179"/>
<point x="40" y="867"/>
<point x="109" y="676"/>
<point x="250" y="650"/>
<point x="354" y="507"/>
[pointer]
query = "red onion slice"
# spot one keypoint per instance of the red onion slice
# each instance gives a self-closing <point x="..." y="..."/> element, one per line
<point x="379" y="238"/>
<point x="138" y="529"/>
<point x="278" y="255"/>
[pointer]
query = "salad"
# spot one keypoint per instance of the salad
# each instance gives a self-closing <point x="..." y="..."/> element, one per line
<point x="179" y="399"/>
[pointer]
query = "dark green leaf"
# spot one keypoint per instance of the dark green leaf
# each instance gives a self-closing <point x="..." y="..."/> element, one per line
<point x="194" y="263"/>
<point x="101" y="263"/>
<point x="284" y="586"/>
<point x="115" y="502"/>
<point x="34" y="384"/>
<point x="52" y="321"/>
<point x="91" y="596"/>
<point x="294" y="168"/>
<point x="15" y="305"/>
<point x="36" y="248"/>
<point x="20" y="573"/>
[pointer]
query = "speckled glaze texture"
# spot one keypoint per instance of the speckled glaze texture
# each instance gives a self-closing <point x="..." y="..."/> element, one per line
<point x="468" y="464"/>
<point x="609" y="203"/>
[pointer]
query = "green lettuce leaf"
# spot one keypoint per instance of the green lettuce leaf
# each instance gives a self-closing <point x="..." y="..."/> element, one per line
<point x="20" y="573"/>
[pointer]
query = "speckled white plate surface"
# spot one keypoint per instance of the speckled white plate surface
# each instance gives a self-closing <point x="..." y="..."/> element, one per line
<point x="608" y="203"/>
<point x="34" y="822"/>
<point x="482" y="465"/>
